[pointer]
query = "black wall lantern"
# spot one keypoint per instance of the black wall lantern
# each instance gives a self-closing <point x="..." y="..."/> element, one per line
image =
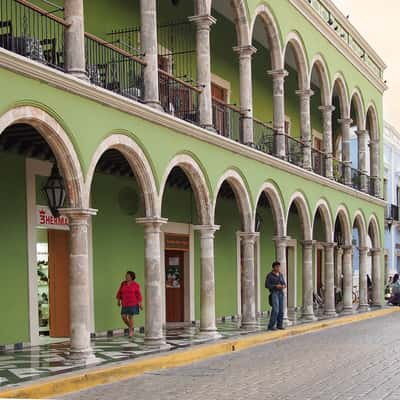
<point x="55" y="191"/>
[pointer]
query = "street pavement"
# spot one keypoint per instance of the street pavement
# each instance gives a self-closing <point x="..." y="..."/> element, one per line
<point x="355" y="361"/>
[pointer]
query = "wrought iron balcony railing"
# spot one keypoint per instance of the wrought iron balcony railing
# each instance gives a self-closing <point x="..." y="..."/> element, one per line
<point x="356" y="178"/>
<point x="294" y="150"/>
<point x="338" y="170"/>
<point x="318" y="161"/>
<point x="227" y="120"/>
<point x="179" y="98"/>
<point x="263" y="137"/>
<point x="392" y="212"/>
<point x="114" y="69"/>
<point x="31" y="32"/>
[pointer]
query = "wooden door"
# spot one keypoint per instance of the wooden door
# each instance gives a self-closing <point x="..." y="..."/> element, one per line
<point x="220" y="94"/>
<point x="174" y="285"/>
<point x="59" y="283"/>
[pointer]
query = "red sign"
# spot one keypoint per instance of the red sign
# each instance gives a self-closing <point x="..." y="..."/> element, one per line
<point x="45" y="219"/>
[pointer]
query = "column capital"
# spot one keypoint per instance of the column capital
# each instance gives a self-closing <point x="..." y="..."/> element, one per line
<point x="339" y="250"/>
<point x="345" y="121"/>
<point x="327" y="109"/>
<point x="373" y="142"/>
<point x="203" y="21"/>
<point x="329" y="245"/>
<point x="305" y="93"/>
<point x="376" y="251"/>
<point x="364" y="249"/>
<point x="361" y="132"/>
<point x="152" y="222"/>
<point x="245" y="51"/>
<point x="278" y="73"/>
<point x="207" y="229"/>
<point x="348" y="248"/>
<point x="249" y="236"/>
<point x="308" y="243"/>
<point x="78" y="213"/>
<point x="281" y="240"/>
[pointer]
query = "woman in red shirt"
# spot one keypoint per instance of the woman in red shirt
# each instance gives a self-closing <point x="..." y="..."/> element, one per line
<point x="130" y="297"/>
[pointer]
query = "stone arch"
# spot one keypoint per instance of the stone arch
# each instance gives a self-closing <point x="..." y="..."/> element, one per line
<point x="301" y="203"/>
<point x="198" y="182"/>
<point x="242" y="197"/>
<point x="343" y="216"/>
<point x="294" y="39"/>
<point x="373" y="231"/>
<point x="139" y="164"/>
<point x="321" y="67"/>
<point x="272" y="32"/>
<point x="60" y="144"/>
<point x="372" y="118"/>
<point x="323" y="208"/>
<point x="357" y="100"/>
<point x="340" y="83"/>
<point x="359" y="223"/>
<point x="274" y="198"/>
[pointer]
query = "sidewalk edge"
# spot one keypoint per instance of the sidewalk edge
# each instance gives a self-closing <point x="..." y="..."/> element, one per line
<point x="76" y="381"/>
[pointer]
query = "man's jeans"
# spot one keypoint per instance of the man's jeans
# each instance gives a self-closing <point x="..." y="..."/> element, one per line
<point x="277" y="309"/>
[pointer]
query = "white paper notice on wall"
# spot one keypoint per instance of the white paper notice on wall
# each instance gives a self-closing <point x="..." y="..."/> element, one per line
<point x="45" y="219"/>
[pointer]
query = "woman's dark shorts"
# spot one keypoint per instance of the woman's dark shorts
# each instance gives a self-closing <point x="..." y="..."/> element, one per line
<point x="133" y="310"/>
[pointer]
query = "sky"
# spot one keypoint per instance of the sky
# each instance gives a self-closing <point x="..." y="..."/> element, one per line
<point x="378" y="22"/>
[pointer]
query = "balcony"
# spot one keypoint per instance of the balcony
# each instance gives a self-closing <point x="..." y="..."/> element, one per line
<point x="118" y="67"/>
<point x="392" y="212"/>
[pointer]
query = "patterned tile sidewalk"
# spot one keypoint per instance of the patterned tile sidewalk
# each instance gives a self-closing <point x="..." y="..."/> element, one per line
<point x="33" y="363"/>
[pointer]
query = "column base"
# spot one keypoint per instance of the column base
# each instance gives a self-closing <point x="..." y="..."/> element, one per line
<point x="85" y="356"/>
<point x="376" y="306"/>
<point x="155" y="342"/>
<point x="347" y="311"/>
<point x="248" y="324"/>
<point x="154" y="104"/>
<point x="308" y="317"/>
<point x="210" y="334"/>
<point x="209" y="128"/>
<point x="330" y="313"/>
<point x="287" y="322"/>
<point x="79" y="74"/>
<point x="363" y="308"/>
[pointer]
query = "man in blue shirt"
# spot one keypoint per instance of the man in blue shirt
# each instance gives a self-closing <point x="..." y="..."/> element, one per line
<point x="275" y="283"/>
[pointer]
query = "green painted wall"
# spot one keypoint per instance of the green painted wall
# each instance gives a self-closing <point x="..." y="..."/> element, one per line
<point x="118" y="245"/>
<point x="14" y="304"/>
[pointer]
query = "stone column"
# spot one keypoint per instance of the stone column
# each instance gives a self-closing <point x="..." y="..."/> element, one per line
<point x="79" y="287"/>
<point x="248" y="240"/>
<point x="329" y="303"/>
<point x="203" y="25"/>
<point x="348" y="280"/>
<point x="153" y="330"/>
<point x="280" y="251"/>
<point x="376" y="278"/>
<point x="339" y="267"/>
<point x="149" y="45"/>
<point x="346" y="156"/>
<point x="362" y="158"/>
<point x="363" y="286"/>
<point x="207" y="279"/>
<point x="327" y="122"/>
<point x="246" y="92"/>
<point x="74" y="39"/>
<point x="278" y="93"/>
<point x="305" y="121"/>
<point x="308" y="287"/>
<point x="375" y="160"/>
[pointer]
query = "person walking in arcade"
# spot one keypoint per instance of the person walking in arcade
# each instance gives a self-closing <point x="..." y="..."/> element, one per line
<point x="129" y="297"/>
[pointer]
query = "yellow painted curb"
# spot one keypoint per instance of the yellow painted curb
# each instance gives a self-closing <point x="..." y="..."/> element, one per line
<point x="80" y="380"/>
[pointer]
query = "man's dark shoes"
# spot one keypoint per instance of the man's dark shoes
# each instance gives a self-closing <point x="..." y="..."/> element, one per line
<point x="272" y="329"/>
<point x="281" y="328"/>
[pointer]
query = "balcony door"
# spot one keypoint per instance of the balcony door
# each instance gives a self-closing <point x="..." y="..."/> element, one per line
<point x="219" y="95"/>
